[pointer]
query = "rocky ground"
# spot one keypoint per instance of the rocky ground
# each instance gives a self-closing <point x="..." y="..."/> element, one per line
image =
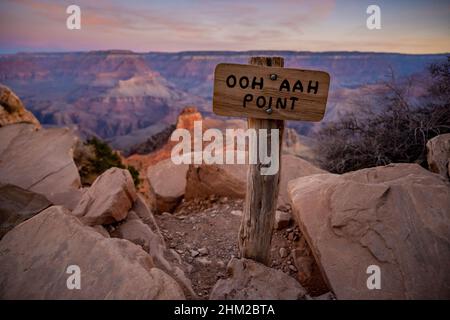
<point x="205" y="234"/>
<point x="395" y="217"/>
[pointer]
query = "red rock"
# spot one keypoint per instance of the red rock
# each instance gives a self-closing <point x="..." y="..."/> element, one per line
<point x="387" y="216"/>
<point x="109" y="268"/>
<point x="108" y="199"/>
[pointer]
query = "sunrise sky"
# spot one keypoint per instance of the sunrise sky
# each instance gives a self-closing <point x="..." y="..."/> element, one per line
<point x="407" y="26"/>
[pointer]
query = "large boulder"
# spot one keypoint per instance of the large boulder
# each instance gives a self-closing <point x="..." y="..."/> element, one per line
<point x="225" y="180"/>
<point x="18" y="205"/>
<point x="250" y="280"/>
<point x="293" y="167"/>
<point x="145" y="233"/>
<point x="438" y="155"/>
<point x="13" y="111"/>
<point x="35" y="256"/>
<point x="108" y="199"/>
<point x="396" y="217"/>
<point x="167" y="185"/>
<point x="39" y="160"/>
<point x="230" y="180"/>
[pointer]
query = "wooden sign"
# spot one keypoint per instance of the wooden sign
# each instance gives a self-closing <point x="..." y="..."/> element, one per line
<point x="270" y="92"/>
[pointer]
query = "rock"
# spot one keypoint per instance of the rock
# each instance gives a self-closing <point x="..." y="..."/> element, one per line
<point x="194" y="253"/>
<point x="304" y="265"/>
<point x="101" y="230"/>
<point x="110" y="268"/>
<point x="283" y="252"/>
<point x="108" y="199"/>
<point x="187" y="117"/>
<point x="438" y="155"/>
<point x="167" y="185"/>
<point x="204" y="261"/>
<point x="223" y="180"/>
<point x="282" y="219"/>
<point x="250" y="280"/>
<point x="142" y="210"/>
<point x="13" y="111"/>
<point x="69" y="199"/>
<point x="230" y="181"/>
<point x="40" y="161"/>
<point x="203" y="251"/>
<point x="396" y="217"/>
<point x="138" y="232"/>
<point x="237" y="213"/>
<point x="325" y="296"/>
<point x="220" y="264"/>
<point x="293" y="167"/>
<point x="18" y="205"/>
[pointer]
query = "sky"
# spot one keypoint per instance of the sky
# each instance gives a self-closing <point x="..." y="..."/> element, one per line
<point x="407" y="26"/>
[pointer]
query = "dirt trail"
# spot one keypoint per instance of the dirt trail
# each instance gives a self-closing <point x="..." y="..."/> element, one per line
<point x="204" y="233"/>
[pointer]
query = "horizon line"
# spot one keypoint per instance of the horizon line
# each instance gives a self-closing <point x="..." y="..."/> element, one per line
<point x="214" y="52"/>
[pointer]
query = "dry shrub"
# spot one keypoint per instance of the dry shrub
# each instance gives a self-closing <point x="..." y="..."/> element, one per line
<point x="392" y="127"/>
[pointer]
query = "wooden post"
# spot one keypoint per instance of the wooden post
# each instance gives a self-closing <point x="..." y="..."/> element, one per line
<point x="255" y="234"/>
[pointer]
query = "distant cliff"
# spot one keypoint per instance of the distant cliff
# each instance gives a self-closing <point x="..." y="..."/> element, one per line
<point x="113" y="94"/>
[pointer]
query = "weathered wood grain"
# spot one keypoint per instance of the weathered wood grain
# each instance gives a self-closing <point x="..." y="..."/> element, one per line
<point x="298" y="103"/>
<point x="255" y="234"/>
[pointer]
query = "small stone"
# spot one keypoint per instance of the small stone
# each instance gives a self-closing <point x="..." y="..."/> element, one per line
<point x="283" y="252"/>
<point x="203" y="261"/>
<point x="325" y="296"/>
<point x="237" y="213"/>
<point x="203" y="251"/>
<point x="194" y="253"/>
<point x="282" y="219"/>
<point x="305" y="267"/>
<point x="293" y="268"/>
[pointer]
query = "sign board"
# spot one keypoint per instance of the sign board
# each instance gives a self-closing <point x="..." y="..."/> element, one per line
<point x="270" y="92"/>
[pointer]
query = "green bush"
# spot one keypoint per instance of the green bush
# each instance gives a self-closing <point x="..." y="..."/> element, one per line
<point x="95" y="157"/>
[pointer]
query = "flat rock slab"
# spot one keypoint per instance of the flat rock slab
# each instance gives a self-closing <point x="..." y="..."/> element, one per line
<point x="18" y="205"/>
<point x="38" y="160"/>
<point x="35" y="255"/>
<point x="396" y="217"/>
